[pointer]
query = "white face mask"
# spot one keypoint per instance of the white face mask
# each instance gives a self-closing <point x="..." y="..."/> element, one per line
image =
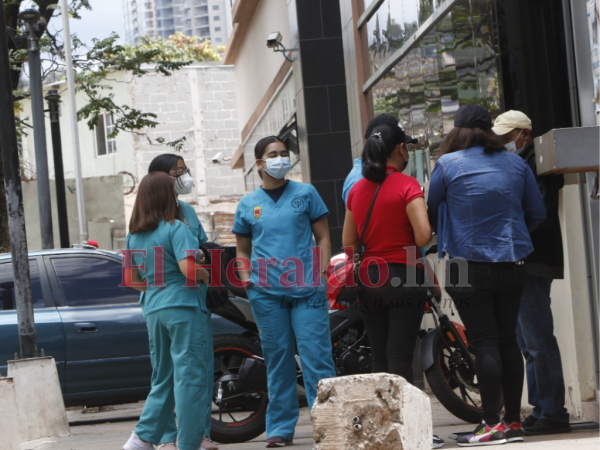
<point x="512" y="146"/>
<point x="278" y="167"/>
<point x="184" y="184"/>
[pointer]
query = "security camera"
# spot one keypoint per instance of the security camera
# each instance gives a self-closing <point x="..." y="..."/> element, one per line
<point x="217" y="158"/>
<point x="274" y="39"/>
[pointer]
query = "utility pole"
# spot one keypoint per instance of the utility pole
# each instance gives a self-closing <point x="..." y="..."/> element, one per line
<point x="14" y="203"/>
<point x="83" y="227"/>
<point x="53" y="99"/>
<point x="32" y="18"/>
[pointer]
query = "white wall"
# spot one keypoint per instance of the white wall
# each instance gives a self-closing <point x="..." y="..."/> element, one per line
<point x="570" y="307"/>
<point x="92" y="165"/>
<point x="257" y="65"/>
<point x="198" y="102"/>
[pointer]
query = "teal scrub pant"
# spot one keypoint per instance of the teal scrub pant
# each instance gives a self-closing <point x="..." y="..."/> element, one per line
<point x="180" y="362"/>
<point x="171" y="433"/>
<point x="284" y="321"/>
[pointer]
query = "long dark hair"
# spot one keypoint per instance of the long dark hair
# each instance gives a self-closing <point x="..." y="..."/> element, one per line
<point x="462" y="138"/>
<point x="164" y="163"/>
<point x="155" y="201"/>
<point x="382" y="137"/>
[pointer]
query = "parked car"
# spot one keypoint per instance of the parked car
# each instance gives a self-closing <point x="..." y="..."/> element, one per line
<point x="92" y="327"/>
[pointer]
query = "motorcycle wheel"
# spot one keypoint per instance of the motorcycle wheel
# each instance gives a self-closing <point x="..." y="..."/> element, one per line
<point x="245" y="418"/>
<point x="455" y="387"/>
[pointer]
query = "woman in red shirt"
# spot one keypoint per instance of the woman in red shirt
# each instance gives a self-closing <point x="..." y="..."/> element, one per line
<point x="391" y="297"/>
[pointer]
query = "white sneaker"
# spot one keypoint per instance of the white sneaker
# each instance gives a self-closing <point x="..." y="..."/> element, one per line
<point x="135" y="443"/>
<point x="207" y="444"/>
<point x="167" y="446"/>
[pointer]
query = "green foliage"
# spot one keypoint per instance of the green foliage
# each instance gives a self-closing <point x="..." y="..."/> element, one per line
<point x="177" y="47"/>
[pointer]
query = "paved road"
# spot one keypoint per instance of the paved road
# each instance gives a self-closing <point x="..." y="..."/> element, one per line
<point x="110" y="430"/>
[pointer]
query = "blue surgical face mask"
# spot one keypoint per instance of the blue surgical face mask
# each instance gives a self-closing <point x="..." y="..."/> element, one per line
<point x="278" y="167"/>
<point x="512" y="146"/>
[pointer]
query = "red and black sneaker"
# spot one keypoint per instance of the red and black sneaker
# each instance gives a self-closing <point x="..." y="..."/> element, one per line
<point x="513" y="432"/>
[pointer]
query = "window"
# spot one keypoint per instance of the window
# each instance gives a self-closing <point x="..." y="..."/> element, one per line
<point x="7" y="287"/>
<point x="218" y="39"/>
<point x="217" y="29"/>
<point x="91" y="281"/>
<point x="216" y="18"/>
<point x="215" y="7"/>
<point x="105" y="144"/>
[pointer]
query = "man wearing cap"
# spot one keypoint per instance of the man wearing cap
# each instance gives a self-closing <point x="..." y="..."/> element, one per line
<point x="535" y="331"/>
<point x="355" y="174"/>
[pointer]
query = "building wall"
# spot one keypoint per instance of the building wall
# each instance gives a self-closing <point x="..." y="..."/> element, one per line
<point x="103" y="204"/>
<point x="199" y="103"/>
<point x="92" y="165"/>
<point x="257" y="65"/>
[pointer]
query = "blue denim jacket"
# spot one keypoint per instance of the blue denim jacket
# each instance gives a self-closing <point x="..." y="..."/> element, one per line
<point x="483" y="205"/>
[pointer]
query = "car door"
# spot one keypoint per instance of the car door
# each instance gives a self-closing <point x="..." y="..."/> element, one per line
<point x="48" y="325"/>
<point x="106" y="338"/>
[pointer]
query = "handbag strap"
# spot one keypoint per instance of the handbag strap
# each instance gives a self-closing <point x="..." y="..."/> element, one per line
<point x="362" y="235"/>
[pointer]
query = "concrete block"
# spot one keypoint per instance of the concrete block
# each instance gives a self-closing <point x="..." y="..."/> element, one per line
<point x="222" y="96"/>
<point x="215" y="106"/>
<point x="40" y="407"/>
<point x="168" y="107"/>
<point x="375" y="411"/>
<point x="223" y="115"/>
<point x="9" y="422"/>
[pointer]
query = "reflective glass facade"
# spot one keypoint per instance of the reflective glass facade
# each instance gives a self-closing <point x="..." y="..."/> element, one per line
<point x="455" y="63"/>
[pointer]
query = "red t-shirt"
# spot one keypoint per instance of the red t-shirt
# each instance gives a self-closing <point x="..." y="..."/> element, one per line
<point x="389" y="229"/>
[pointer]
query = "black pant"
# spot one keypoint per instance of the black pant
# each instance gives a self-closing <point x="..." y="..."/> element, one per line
<point x="392" y="315"/>
<point x="489" y="309"/>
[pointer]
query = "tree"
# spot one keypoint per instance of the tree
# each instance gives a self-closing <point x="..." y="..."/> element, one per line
<point x="93" y="65"/>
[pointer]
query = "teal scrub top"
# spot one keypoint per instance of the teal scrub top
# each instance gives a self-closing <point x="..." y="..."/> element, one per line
<point x="282" y="230"/>
<point x="174" y="239"/>
<point x="188" y="213"/>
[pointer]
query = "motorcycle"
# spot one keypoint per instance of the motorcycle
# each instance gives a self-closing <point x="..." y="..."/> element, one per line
<point x="240" y="379"/>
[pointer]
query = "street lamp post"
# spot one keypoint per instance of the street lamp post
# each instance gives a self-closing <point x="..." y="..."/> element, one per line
<point x="32" y="18"/>
<point x="14" y="203"/>
<point x="53" y="99"/>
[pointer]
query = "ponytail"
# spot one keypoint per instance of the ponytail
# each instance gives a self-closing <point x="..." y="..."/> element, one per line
<point x="374" y="159"/>
<point x="382" y="139"/>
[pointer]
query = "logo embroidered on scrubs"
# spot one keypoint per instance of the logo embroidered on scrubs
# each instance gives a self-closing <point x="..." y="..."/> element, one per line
<point x="257" y="212"/>
<point x="298" y="205"/>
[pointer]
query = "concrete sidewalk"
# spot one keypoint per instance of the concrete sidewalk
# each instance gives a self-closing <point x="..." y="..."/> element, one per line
<point x="110" y="430"/>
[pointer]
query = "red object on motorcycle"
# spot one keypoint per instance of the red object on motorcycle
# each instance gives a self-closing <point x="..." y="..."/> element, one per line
<point x="336" y="279"/>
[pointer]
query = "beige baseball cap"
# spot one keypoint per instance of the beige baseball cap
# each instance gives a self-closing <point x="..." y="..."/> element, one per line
<point x="510" y="120"/>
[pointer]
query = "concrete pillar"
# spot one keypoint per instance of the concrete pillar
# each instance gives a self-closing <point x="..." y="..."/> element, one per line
<point x="375" y="411"/>
<point x="9" y="423"/>
<point x="40" y="408"/>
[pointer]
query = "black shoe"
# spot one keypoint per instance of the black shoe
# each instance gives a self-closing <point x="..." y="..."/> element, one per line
<point x="544" y="426"/>
<point x="529" y="421"/>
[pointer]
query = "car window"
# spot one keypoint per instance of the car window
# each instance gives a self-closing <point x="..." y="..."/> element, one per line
<point x="7" y="286"/>
<point x="90" y="281"/>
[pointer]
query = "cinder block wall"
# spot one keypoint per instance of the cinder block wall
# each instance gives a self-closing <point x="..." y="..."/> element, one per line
<point x="198" y="103"/>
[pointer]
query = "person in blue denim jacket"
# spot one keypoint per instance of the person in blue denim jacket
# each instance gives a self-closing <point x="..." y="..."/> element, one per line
<point x="535" y="331"/>
<point x="484" y="201"/>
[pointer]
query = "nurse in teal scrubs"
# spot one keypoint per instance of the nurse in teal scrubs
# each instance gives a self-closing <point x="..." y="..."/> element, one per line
<point x="274" y="228"/>
<point x="176" y="315"/>
<point x="174" y="165"/>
